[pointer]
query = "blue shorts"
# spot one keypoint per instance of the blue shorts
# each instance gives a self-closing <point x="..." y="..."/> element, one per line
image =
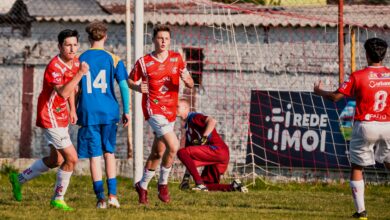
<point x="93" y="140"/>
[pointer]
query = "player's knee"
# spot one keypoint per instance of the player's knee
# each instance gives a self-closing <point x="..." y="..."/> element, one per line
<point x="156" y="156"/>
<point x="53" y="162"/>
<point x="71" y="161"/>
<point x="181" y="153"/>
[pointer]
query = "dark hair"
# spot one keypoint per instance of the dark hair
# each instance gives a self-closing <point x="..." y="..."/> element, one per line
<point x="375" y="49"/>
<point x="67" y="33"/>
<point x="96" y="30"/>
<point x="159" y="28"/>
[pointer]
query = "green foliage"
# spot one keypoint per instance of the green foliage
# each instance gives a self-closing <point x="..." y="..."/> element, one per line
<point x="265" y="200"/>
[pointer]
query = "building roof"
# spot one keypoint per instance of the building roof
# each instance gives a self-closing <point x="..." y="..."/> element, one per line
<point x="205" y="12"/>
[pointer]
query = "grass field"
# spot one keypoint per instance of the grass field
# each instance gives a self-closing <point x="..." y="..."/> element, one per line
<point x="264" y="201"/>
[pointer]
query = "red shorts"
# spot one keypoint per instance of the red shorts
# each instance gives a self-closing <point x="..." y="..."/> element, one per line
<point x="214" y="159"/>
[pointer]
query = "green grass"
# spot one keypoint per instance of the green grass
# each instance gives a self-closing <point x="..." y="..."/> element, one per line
<point x="264" y="201"/>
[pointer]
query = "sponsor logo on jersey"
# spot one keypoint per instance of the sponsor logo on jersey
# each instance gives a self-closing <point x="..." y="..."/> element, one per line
<point x="374" y="75"/>
<point x="173" y="59"/>
<point x="163" y="89"/>
<point x="58" y="109"/>
<point x="155" y="101"/>
<point x="149" y="63"/>
<point x="55" y="74"/>
<point x="161" y="67"/>
<point x="373" y="84"/>
<point x="374" y="117"/>
<point x="164" y="79"/>
<point x="77" y="64"/>
<point x="174" y="70"/>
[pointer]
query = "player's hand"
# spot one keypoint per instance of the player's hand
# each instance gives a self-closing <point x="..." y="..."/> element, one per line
<point x="143" y="87"/>
<point x="318" y="87"/>
<point x="186" y="77"/>
<point x="84" y="68"/>
<point x="73" y="117"/>
<point x="125" y="119"/>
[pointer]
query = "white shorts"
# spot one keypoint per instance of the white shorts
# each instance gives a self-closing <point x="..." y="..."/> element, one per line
<point x="160" y="125"/>
<point x="366" y="136"/>
<point x="58" y="137"/>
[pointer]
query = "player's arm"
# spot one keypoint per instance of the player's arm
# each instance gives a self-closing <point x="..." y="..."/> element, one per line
<point x="186" y="77"/>
<point x="66" y="90"/>
<point x="210" y="125"/>
<point x="333" y="96"/>
<point x="72" y="107"/>
<point x="139" y="87"/>
<point x="124" y="89"/>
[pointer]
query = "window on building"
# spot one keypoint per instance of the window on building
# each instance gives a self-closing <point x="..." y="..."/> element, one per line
<point x="194" y="59"/>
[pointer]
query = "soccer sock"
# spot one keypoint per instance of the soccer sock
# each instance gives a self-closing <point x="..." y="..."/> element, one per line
<point x="98" y="188"/>
<point x="164" y="174"/>
<point x="111" y="185"/>
<point x="36" y="169"/>
<point x="148" y="175"/>
<point x="62" y="183"/>
<point x="190" y="165"/>
<point x="357" y="188"/>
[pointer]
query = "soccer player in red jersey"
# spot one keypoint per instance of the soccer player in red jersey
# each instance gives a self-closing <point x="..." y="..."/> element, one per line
<point x="204" y="148"/>
<point x="61" y="77"/>
<point x="371" y="88"/>
<point x="159" y="73"/>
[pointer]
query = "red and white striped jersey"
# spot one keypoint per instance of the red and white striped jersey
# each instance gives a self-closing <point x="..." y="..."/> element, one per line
<point x="371" y="88"/>
<point x="162" y="78"/>
<point x="52" y="110"/>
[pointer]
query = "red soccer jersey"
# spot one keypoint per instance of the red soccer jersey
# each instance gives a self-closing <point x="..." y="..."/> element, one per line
<point x="162" y="78"/>
<point x="52" y="111"/>
<point x="195" y="126"/>
<point x="370" y="87"/>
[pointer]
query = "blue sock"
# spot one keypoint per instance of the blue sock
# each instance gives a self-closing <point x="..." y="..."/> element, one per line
<point x="99" y="189"/>
<point x="111" y="185"/>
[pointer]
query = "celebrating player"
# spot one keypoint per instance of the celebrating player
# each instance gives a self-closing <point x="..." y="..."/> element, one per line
<point x="204" y="147"/>
<point x="159" y="73"/>
<point x="98" y="112"/>
<point x="61" y="77"/>
<point x="371" y="87"/>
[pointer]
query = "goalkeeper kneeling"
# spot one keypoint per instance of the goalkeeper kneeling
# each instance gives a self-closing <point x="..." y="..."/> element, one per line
<point x="203" y="148"/>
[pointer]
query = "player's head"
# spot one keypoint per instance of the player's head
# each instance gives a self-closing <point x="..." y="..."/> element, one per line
<point x="68" y="43"/>
<point x="183" y="108"/>
<point x="161" y="38"/>
<point x="375" y="50"/>
<point x="96" y="31"/>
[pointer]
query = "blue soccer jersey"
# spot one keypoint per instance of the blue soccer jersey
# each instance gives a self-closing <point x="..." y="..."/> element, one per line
<point x="97" y="103"/>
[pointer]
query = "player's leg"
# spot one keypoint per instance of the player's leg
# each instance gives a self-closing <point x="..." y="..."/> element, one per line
<point x="361" y="155"/>
<point x="90" y="146"/>
<point x="109" y="143"/>
<point x="62" y="142"/>
<point x="37" y="168"/>
<point x="153" y="161"/>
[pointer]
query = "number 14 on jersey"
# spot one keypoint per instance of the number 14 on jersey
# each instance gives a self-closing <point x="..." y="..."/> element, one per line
<point x="98" y="83"/>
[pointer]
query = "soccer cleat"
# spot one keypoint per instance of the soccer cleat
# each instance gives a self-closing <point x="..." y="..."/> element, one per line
<point x="238" y="186"/>
<point x="101" y="204"/>
<point x="142" y="194"/>
<point x="184" y="185"/>
<point x="361" y="216"/>
<point x="60" y="204"/>
<point x="16" y="186"/>
<point x="200" y="187"/>
<point x="163" y="193"/>
<point x="113" y="202"/>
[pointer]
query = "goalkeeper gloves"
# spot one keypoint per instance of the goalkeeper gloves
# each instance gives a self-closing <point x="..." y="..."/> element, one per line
<point x="202" y="141"/>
